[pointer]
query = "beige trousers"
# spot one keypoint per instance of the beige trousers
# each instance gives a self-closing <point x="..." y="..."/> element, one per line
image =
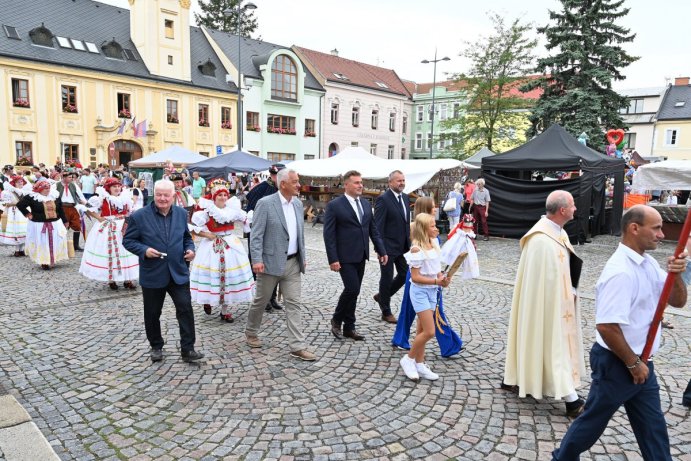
<point x="290" y="284"/>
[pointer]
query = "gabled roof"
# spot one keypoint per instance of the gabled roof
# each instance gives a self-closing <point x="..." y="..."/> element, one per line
<point x="348" y="72"/>
<point x="254" y="53"/>
<point x="676" y="104"/>
<point x="93" y="22"/>
<point x="450" y="85"/>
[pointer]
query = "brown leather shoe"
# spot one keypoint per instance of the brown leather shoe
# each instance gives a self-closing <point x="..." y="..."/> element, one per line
<point x="376" y="298"/>
<point x="389" y="318"/>
<point x="353" y="335"/>
<point x="304" y="354"/>
<point x="254" y="341"/>
<point x="336" y="330"/>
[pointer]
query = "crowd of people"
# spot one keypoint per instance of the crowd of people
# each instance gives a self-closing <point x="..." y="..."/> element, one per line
<point x="153" y="245"/>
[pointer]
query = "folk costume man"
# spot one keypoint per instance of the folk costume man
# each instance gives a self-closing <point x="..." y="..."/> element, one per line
<point x="182" y="198"/>
<point x="70" y="196"/>
<point x="544" y="355"/>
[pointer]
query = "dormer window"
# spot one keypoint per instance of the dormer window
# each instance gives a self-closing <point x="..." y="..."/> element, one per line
<point x="284" y="79"/>
<point x="208" y="68"/>
<point x="112" y="49"/>
<point x="168" y="24"/>
<point x="41" y="36"/>
<point x="340" y="76"/>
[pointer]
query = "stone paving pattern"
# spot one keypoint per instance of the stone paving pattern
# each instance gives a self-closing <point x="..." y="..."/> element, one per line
<point x="75" y="355"/>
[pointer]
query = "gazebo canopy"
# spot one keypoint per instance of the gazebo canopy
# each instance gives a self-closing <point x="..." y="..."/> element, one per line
<point x="234" y="162"/>
<point x="178" y="155"/>
<point x="476" y="158"/>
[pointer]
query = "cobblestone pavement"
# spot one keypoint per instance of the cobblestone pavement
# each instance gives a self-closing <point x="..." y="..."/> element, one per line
<point x="74" y="354"/>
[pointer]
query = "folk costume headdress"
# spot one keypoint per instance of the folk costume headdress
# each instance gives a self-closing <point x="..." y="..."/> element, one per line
<point x="40" y="186"/>
<point x="110" y="182"/>
<point x="13" y="180"/>
<point x="218" y="186"/>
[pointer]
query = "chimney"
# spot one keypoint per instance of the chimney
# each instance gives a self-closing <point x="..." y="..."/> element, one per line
<point x="681" y="81"/>
<point x="334" y="52"/>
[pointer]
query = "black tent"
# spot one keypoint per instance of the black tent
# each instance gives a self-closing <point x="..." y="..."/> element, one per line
<point x="233" y="162"/>
<point x="518" y="202"/>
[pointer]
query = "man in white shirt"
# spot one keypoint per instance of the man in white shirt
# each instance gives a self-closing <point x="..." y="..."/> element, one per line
<point x="626" y="297"/>
<point x="278" y="258"/>
<point x="88" y="183"/>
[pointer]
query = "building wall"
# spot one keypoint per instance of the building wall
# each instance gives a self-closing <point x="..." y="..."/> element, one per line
<point x="682" y="148"/>
<point x="344" y="134"/>
<point x="442" y="97"/>
<point x="95" y="125"/>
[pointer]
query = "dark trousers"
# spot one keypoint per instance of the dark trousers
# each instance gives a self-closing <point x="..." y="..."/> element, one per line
<point x="153" y="306"/>
<point x="254" y="276"/>
<point x="612" y="387"/>
<point x="351" y="274"/>
<point x="686" y="399"/>
<point x="388" y="285"/>
<point x="480" y="219"/>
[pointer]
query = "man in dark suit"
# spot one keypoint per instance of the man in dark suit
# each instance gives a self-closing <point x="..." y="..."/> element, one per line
<point x="348" y="226"/>
<point x="392" y="217"/>
<point x="158" y="234"/>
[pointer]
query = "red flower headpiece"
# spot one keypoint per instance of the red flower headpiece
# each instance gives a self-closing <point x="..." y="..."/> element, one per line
<point x="110" y="182"/>
<point x="41" y="185"/>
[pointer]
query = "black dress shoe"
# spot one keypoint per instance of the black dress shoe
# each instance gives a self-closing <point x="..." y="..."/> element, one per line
<point x="352" y="334"/>
<point x="573" y="409"/>
<point x="191" y="356"/>
<point x="336" y="330"/>
<point x="509" y="387"/>
<point x="267" y="308"/>
<point x="274" y="305"/>
<point x="156" y="355"/>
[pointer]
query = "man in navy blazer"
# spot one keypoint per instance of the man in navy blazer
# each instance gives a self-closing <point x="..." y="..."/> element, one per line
<point x="158" y="235"/>
<point x="392" y="217"/>
<point x="348" y="226"/>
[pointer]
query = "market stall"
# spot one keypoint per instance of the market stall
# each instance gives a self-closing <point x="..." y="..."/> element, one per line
<point x="151" y="167"/>
<point x="233" y="162"/>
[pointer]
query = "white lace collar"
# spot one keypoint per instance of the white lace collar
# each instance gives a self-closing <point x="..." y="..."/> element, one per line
<point x="10" y="188"/>
<point x="221" y="215"/>
<point x="45" y="198"/>
<point x="119" y="201"/>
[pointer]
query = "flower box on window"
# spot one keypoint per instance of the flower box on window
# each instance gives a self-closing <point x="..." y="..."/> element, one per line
<point x="70" y="108"/>
<point x="256" y="128"/>
<point x="172" y="119"/>
<point x="124" y="113"/>
<point x="24" y="161"/>
<point x="21" y="103"/>
<point x="279" y="130"/>
<point x="310" y="134"/>
<point x="226" y="125"/>
<point x="203" y="122"/>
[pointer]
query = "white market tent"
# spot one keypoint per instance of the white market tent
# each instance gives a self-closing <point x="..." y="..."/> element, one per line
<point x="417" y="172"/>
<point x="670" y="174"/>
<point x="178" y="155"/>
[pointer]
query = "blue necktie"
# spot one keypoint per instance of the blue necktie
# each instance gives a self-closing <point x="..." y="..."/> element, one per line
<point x="359" y="209"/>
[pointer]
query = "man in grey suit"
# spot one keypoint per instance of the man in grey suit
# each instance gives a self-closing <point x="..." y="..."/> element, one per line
<point x="277" y="245"/>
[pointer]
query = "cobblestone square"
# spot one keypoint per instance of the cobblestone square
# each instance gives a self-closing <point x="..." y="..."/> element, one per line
<point x="75" y="355"/>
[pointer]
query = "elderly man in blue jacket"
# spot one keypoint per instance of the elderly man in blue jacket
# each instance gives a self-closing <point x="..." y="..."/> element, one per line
<point x="158" y="235"/>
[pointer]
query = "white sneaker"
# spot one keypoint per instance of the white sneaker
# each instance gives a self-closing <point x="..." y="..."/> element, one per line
<point x="409" y="369"/>
<point x="424" y="372"/>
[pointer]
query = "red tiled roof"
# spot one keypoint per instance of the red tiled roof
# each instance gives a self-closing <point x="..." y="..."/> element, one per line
<point x="455" y="85"/>
<point x="358" y="73"/>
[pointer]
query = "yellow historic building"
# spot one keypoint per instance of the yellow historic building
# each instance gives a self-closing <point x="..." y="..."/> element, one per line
<point x="91" y="82"/>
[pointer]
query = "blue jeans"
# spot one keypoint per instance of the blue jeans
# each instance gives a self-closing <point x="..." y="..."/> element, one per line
<point x="612" y="386"/>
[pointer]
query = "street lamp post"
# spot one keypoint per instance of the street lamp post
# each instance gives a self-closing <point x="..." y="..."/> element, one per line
<point x="434" y="83"/>
<point x="227" y="13"/>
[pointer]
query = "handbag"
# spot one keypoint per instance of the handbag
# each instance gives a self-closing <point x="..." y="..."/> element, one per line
<point x="450" y="204"/>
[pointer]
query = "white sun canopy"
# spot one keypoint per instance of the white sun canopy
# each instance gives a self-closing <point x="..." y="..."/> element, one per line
<point x="670" y="174"/>
<point x="417" y="172"/>
<point x="178" y="155"/>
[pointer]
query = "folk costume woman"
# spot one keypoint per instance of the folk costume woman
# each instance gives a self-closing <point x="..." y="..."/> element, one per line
<point x="13" y="231"/>
<point x="221" y="273"/>
<point x="105" y="259"/>
<point x="46" y="235"/>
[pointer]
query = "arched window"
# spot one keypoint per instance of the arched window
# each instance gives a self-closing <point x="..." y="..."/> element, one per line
<point x="112" y="49"/>
<point x="284" y="79"/>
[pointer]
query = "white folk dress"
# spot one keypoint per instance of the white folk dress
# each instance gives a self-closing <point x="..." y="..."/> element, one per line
<point x="105" y="259"/>
<point x="221" y="272"/>
<point x="13" y="231"/>
<point x="46" y="242"/>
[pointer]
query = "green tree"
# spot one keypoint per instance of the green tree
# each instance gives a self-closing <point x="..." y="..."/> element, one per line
<point x="498" y="64"/>
<point x="585" y="40"/>
<point x="212" y="17"/>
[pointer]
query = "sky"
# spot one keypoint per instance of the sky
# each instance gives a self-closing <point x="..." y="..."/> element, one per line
<point x="398" y="34"/>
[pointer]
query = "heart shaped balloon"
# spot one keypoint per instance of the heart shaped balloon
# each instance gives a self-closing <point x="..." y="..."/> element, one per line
<point x="615" y="136"/>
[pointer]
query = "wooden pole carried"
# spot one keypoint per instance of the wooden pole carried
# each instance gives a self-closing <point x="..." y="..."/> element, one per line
<point x="666" y="290"/>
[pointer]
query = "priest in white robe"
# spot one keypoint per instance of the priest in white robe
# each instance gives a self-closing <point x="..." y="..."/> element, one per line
<point x="544" y="354"/>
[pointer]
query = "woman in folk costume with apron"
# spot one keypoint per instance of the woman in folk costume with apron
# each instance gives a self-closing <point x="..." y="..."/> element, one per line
<point x="46" y="235"/>
<point x="105" y="259"/>
<point x="13" y="231"/>
<point x="221" y="273"/>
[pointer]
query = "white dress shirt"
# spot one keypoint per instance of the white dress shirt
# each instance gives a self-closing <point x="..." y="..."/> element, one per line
<point x="291" y="222"/>
<point x="353" y="204"/>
